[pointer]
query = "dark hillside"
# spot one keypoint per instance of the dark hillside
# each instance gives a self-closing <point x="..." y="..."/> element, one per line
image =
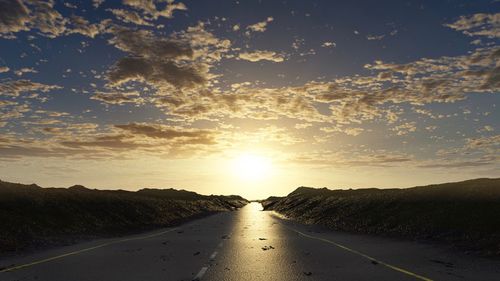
<point x="32" y="216"/>
<point x="466" y="214"/>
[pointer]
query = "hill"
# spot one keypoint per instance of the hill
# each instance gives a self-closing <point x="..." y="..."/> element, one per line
<point x="32" y="216"/>
<point x="465" y="214"/>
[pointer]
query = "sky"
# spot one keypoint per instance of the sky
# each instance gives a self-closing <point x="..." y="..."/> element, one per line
<point x="248" y="97"/>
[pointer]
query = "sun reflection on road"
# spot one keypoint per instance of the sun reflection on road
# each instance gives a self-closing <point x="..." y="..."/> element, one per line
<point x="259" y="248"/>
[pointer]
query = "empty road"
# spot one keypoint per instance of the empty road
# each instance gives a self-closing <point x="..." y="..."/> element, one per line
<point x="247" y="244"/>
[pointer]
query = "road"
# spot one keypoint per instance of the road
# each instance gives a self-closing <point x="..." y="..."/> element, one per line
<point x="248" y="244"/>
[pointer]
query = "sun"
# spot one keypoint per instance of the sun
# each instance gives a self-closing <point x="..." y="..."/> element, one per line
<point x="251" y="167"/>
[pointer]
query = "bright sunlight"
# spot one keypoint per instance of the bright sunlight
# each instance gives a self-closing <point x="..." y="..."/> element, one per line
<point x="252" y="167"/>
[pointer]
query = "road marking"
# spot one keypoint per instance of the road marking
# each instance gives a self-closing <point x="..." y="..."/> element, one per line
<point x="214" y="254"/>
<point x="85" y="250"/>
<point x="200" y="274"/>
<point x="393" y="267"/>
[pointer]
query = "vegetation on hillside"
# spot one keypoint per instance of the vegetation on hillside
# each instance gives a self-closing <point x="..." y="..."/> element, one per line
<point x="32" y="216"/>
<point x="465" y="213"/>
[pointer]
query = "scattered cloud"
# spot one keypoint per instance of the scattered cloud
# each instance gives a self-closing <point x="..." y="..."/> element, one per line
<point x="23" y="70"/>
<point x="186" y="136"/>
<point x="360" y="158"/>
<point x="259" y="27"/>
<point x="375" y="37"/>
<point x="149" y="8"/>
<point x="478" y="25"/>
<point x="129" y="17"/>
<point x="17" y="15"/>
<point x="14" y="16"/>
<point x="97" y="3"/>
<point x="259" y="55"/>
<point x="118" y="98"/>
<point x="17" y="87"/>
<point x="329" y="44"/>
<point x="405" y="128"/>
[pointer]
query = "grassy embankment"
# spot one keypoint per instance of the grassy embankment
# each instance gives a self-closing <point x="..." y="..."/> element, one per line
<point x="465" y="214"/>
<point x="32" y="217"/>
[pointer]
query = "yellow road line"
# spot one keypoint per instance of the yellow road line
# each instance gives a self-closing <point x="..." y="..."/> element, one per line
<point x="85" y="250"/>
<point x="393" y="267"/>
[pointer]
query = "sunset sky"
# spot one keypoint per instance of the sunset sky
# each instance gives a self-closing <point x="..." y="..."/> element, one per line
<point x="248" y="97"/>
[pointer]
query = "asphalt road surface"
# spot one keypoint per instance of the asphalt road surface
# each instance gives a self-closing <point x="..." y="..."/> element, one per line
<point x="248" y="244"/>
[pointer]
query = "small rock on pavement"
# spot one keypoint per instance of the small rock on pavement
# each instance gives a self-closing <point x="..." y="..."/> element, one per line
<point x="307" y="273"/>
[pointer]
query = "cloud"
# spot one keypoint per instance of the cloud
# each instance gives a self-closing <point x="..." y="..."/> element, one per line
<point x="4" y="103"/>
<point x="13" y="151"/>
<point x="97" y="3"/>
<point x="347" y="131"/>
<point x="355" y="158"/>
<point x="344" y="100"/>
<point x="329" y="44"/>
<point x="46" y="19"/>
<point x="157" y="73"/>
<point x="82" y="26"/>
<point x="259" y="55"/>
<point x="157" y="61"/>
<point x="244" y="102"/>
<point x="186" y="136"/>
<point x="77" y="140"/>
<point x="130" y="17"/>
<point x="458" y="164"/>
<point x="478" y="25"/>
<point x="176" y="67"/>
<point x="17" y="87"/>
<point x="171" y="7"/>
<point x="143" y="43"/>
<point x="23" y="70"/>
<point x="302" y="126"/>
<point x="353" y="99"/>
<point x="148" y="7"/>
<point x="260" y="26"/>
<point x="4" y="69"/>
<point x="490" y="143"/>
<point x="115" y="142"/>
<point x="118" y="98"/>
<point x="405" y="128"/>
<point x="375" y="37"/>
<point x="16" y="16"/>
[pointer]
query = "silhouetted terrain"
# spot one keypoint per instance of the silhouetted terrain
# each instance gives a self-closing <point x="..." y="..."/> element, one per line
<point x="466" y="214"/>
<point x="32" y="216"/>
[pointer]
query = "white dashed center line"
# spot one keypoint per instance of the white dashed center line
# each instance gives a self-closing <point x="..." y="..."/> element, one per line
<point x="212" y="257"/>
<point x="204" y="269"/>
<point x="200" y="274"/>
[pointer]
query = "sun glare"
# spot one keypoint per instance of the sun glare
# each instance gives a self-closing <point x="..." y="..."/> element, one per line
<point x="248" y="166"/>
